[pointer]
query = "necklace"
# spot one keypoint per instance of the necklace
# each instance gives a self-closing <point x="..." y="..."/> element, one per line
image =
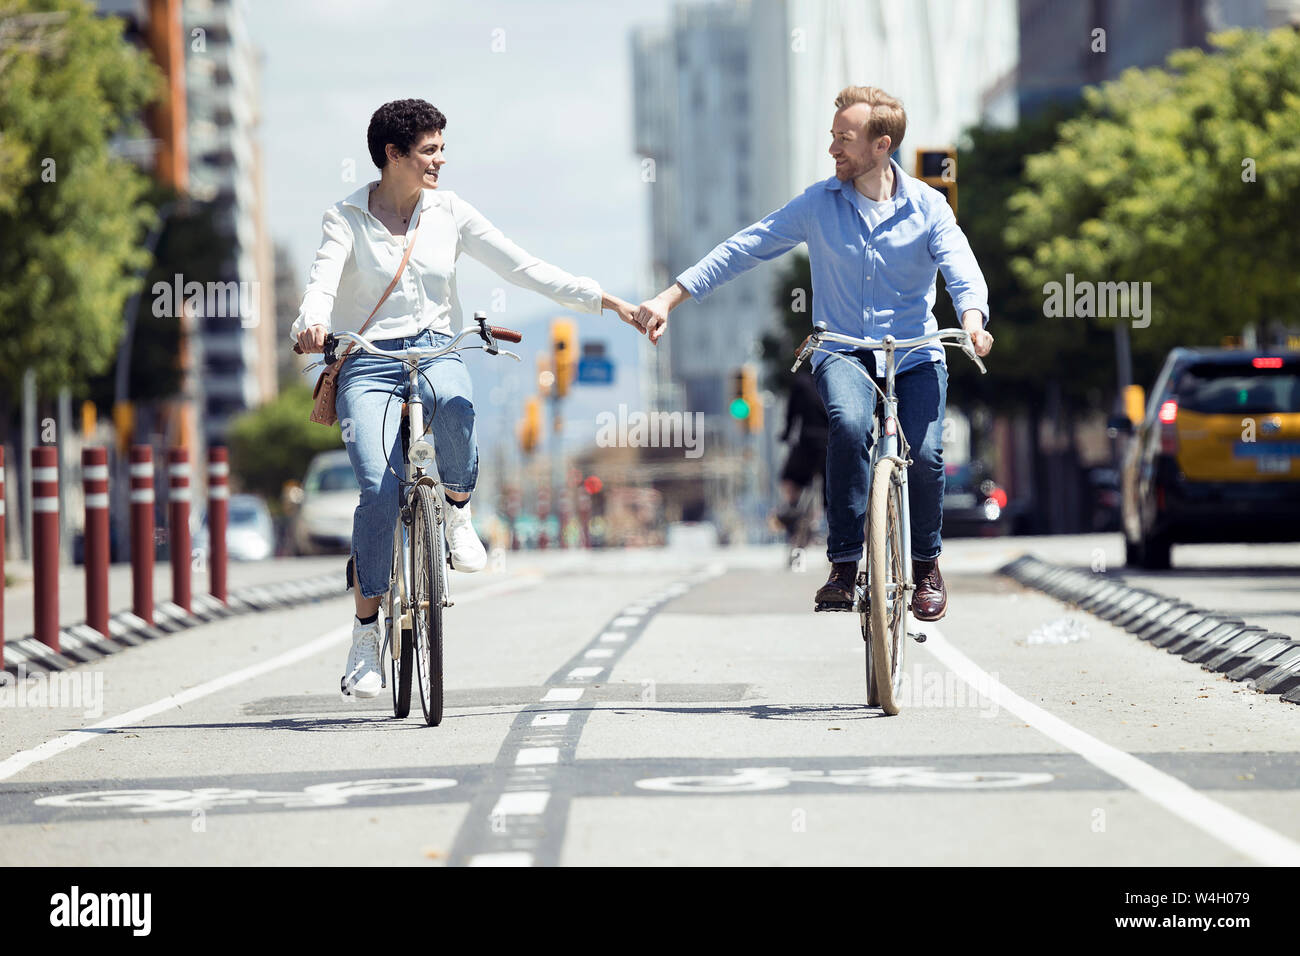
<point x="382" y="208"/>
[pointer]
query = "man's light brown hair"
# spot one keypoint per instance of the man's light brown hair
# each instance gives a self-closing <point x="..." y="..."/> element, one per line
<point x="887" y="116"/>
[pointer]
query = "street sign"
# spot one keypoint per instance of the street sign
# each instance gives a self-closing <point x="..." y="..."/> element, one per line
<point x="595" y="371"/>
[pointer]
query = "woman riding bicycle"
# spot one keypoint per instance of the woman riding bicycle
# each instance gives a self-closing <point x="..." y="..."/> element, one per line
<point x="363" y="245"/>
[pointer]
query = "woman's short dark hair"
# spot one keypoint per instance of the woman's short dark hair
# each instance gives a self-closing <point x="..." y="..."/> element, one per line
<point x="402" y="123"/>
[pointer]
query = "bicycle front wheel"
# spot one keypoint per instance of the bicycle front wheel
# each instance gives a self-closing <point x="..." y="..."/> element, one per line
<point x="887" y="585"/>
<point x="427" y="588"/>
<point x="399" y="641"/>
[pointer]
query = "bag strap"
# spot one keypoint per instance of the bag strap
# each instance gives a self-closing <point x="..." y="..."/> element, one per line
<point x="406" y="257"/>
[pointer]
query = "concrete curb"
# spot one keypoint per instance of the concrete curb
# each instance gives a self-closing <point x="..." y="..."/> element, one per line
<point x="82" y="644"/>
<point x="1268" y="661"/>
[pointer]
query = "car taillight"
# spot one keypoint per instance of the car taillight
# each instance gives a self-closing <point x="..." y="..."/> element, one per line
<point x="998" y="495"/>
<point x="1270" y="362"/>
<point x="1168" y="416"/>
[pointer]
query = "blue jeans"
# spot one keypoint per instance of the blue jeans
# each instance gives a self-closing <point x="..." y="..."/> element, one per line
<point x="850" y="404"/>
<point x="370" y="388"/>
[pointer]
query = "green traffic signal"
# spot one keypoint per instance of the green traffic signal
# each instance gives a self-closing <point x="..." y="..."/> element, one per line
<point x="739" y="409"/>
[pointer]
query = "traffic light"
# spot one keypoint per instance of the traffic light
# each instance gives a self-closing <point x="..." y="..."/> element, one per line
<point x="746" y="406"/>
<point x="564" y="345"/>
<point x="530" y="427"/>
<point x="938" y="168"/>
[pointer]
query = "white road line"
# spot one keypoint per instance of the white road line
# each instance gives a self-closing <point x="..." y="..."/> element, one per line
<point x="625" y="622"/>
<point x="600" y="652"/>
<point x="501" y="859"/>
<point x="562" y="693"/>
<point x="582" y="673"/>
<point x="613" y="637"/>
<point x="25" y="758"/>
<point x="530" y="803"/>
<point x="530" y="756"/>
<point x="635" y="611"/>
<point x="1226" y="825"/>
<point x="550" y="720"/>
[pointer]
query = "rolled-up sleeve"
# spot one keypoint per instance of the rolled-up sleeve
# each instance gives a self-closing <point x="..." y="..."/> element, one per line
<point x="486" y="243"/>
<point x="952" y="254"/>
<point x="323" y="280"/>
<point x="771" y="236"/>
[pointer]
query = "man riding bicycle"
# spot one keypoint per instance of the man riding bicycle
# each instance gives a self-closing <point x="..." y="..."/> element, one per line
<point x="875" y="237"/>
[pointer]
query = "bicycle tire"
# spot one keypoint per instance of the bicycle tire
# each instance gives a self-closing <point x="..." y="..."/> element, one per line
<point x="427" y="588"/>
<point x="873" y="695"/>
<point x="401" y="663"/>
<point x="886" y="577"/>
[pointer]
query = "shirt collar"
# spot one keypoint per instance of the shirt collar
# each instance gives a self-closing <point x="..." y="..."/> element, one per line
<point x="902" y="192"/>
<point x="361" y="199"/>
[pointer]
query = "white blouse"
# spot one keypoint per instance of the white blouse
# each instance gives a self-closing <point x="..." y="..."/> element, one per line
<point x="358" y="257"/>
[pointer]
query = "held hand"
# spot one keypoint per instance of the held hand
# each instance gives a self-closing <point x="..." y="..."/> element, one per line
<point x="624" y="310"/>
<point x="312" y="339"/>
<point x="653" y="317"/>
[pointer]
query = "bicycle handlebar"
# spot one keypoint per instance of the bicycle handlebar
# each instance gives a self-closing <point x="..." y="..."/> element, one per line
<point x="489" y="334"/>
<point x="889" y="343"/>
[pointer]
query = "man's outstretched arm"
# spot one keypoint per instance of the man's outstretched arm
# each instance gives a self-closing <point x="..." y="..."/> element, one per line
<point x="766" y="239"/>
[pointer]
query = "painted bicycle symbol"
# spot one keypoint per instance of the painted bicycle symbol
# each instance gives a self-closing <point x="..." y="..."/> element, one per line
<point x="753" y="779"/>
<point x="207" y="798"/>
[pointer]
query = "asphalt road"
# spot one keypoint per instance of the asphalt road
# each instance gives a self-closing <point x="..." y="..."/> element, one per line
<point x="666" y="708"/>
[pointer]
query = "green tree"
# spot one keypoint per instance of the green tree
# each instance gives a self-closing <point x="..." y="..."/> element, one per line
<point x="1186" y="177"/>
<point x="71" y="214"/>
<point x="275" y="443"/>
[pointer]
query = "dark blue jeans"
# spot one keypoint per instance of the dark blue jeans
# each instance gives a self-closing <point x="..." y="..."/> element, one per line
<point x="850" y="404"/>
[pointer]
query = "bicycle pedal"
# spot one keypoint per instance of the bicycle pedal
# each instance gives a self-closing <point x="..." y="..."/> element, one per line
<point x="917" y="636"/>
<point x="833" y="606"/>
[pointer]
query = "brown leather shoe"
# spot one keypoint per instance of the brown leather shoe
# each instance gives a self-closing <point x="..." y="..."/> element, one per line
<point x="930" y="599"/>
<point x="837" y="593"/>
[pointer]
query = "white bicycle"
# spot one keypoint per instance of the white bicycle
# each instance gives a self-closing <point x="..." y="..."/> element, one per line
<point x="883" y="592"/>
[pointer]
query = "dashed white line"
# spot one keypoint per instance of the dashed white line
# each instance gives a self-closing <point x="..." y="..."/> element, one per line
<point x="613" y="637"/>
<point x="584" y="673"/>
<point x="537" y="755"/>
<point x="600" y="652"/>
<point x="522" y="803"/>
<point x="550" y="720"/>
<point x="501" y="859"/>
<point x="561" y="694"/>
<point x="625" y="622"/>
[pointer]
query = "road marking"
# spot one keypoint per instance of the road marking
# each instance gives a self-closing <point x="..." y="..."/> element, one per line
<point x="535" y="755"/>
<point x="530" y="803"/>
<point x="635" y="611"/>
<point x="25" y="758"/>
<point x="1226" y="825"/>
<point x="562" y="694"/>
<point x="613" y="637"/>
<point x="550" y="720"/>
<point x="624" y="622"/>
<point x="501" y="859"/>
<point x="583" y="673"/>
<point x="600" y="652"/>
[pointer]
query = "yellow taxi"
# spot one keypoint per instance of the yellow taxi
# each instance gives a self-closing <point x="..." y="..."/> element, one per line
<point x="1216" y="454"/>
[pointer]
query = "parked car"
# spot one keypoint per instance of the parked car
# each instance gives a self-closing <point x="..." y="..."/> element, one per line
<point x="250" y="532"/>
<point x="1217" y="454"/>
<point x="322" y="523"/>
<point x="973" y="504"/>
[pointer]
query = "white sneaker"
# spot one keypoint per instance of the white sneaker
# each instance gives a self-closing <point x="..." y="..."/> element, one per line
<point x="466" y="549"/>
<point x="363" y="678"/>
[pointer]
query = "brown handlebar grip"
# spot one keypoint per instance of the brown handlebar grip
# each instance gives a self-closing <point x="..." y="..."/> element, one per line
<point x="504" y="334"/>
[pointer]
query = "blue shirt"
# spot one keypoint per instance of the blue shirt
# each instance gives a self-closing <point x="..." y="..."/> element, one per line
<point x="866" y="282"/>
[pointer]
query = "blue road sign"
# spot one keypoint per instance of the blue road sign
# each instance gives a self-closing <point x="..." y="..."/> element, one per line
<point x="595" y="371"/>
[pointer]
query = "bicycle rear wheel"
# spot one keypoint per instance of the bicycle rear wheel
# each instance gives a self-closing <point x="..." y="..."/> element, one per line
<point x="427" y="586"/>
<point x="400" y="643"/>
<point x="887" y="583"/>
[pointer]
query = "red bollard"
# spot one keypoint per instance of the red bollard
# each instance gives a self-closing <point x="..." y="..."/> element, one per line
<point x="2" y="557"/>
<point x="94" y="476"/>
<point x="218" y="505"/>
<point x="142" y="543"/>
<point x="45" y="543"/>
<point x="178" y="521"/>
